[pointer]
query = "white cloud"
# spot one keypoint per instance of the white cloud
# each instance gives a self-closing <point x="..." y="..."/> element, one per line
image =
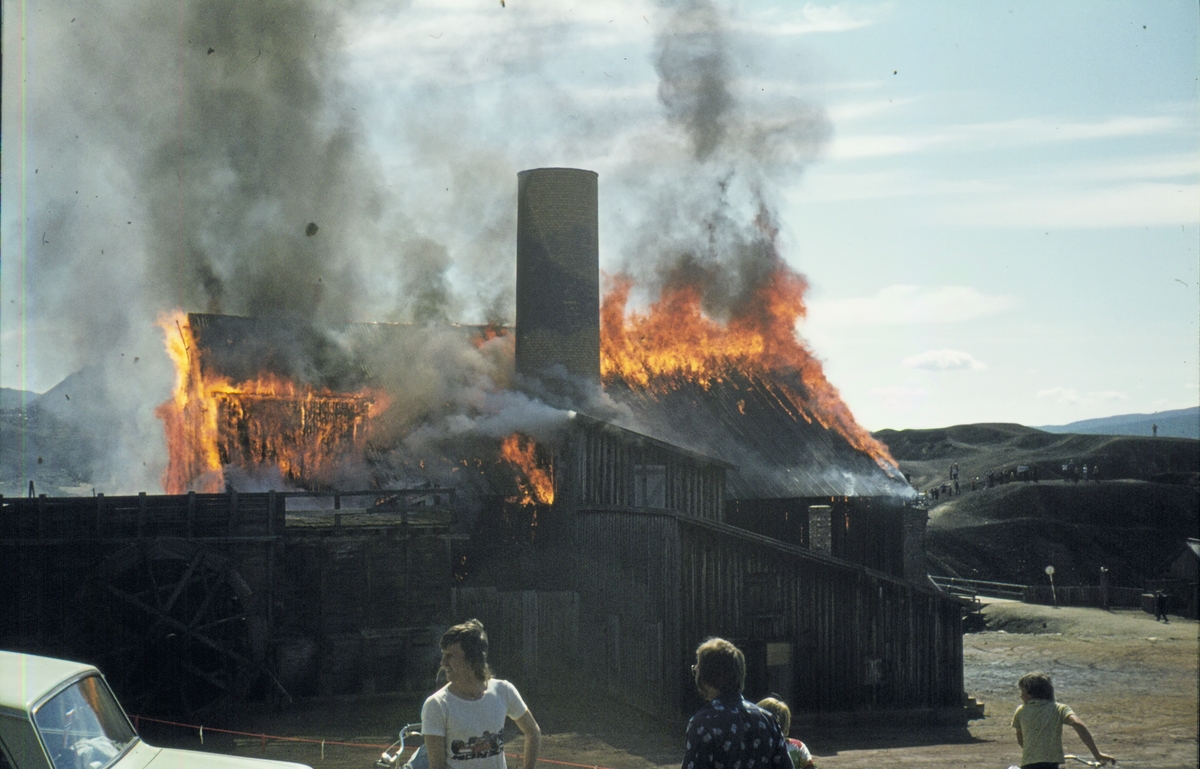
<point x="973" y="137"/>
<point x="942" y="360"/>
<point x="1183" y="166"/>
<point x="878" y="146"/>
<point x="1071" y="396"/>
<point x="900" y="305"/>
<point x="812" y="18"/>
<point x="844" y="113"/>
<point x="1145" y="204"/>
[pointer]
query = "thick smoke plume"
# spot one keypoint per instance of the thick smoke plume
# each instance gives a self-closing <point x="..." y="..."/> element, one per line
<point x="212" y="157"/>
<point x="207" y="156"/>
<point x="711" y="218"/>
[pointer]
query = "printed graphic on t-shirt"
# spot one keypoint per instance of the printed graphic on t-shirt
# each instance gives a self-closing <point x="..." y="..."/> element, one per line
<point x="487" y="744"/>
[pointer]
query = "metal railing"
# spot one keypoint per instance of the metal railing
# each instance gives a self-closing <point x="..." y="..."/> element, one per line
<point x="970" y="588"/>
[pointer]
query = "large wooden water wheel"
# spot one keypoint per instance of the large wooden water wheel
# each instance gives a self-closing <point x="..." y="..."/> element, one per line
<point x="174" y="627"/>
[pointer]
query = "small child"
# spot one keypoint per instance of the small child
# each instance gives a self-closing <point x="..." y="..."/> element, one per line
<point x="1039" y="722"/>
<point x="797" y="750"/>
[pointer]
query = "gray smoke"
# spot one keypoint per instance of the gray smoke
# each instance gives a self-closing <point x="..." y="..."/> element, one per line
<point x="692" y="62"/>
<point x="710" y="219"/>
<point x="210" y="155"/>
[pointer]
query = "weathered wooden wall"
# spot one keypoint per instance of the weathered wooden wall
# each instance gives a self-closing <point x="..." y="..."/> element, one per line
<point x="628" y="574"/>
<point x="112" y="579"/>
<point x="865" y="530"/>
<point x="654" y="585"/>
<point x="325" y="605"/>
<point x="533" y="636"/>
<point x="367" y="602"/>
<point x="600" y="463"/>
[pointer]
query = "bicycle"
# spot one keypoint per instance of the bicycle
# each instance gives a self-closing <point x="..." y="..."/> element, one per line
<point x="1070" y="757"/>
<point x="1085" y="761"/>
<point x="390" y="759"/>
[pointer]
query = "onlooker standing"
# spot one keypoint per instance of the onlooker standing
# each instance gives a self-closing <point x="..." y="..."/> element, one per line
<point x="728" y="731"/>
<point x="1039" y="722"/>
<point x="1160" y="606"/>
<point x="463" y="720"/>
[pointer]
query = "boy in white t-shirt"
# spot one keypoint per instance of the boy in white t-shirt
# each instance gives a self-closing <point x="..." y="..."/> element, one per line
<point x="463" y="720"/>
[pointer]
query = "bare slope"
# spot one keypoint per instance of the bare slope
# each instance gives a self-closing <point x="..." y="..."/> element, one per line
<point x="926" y="455"/>
<point x="1131" y="521"/>
<point x="1011" y="532"/>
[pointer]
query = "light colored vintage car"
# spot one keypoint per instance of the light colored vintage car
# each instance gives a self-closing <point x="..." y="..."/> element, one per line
<point x="56" y="714"/>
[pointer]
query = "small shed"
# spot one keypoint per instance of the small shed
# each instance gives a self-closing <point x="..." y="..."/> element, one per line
<point x="1180" y="581"/>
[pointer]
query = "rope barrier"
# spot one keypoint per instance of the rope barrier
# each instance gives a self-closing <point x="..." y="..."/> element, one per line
<point x="263" y="737"/>
<point x="322" y="742"/>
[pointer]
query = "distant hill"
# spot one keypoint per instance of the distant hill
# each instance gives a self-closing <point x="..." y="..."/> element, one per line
<point x="54" y="440"/>
<point x="11" y="399"/>
<point x="1180" y="423"/>
<point x="1011" y="532"/>
<point x="1135" y="518"/>
<point x="926" y="455"/>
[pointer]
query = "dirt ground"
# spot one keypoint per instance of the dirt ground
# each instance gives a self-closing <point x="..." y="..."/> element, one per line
<point x="1131" y="679"/>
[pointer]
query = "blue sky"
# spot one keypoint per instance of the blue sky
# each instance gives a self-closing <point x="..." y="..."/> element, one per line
<point x="995" y="204"/>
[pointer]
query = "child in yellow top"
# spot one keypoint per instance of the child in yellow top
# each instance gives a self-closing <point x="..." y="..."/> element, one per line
<point x="1039" y="722"/>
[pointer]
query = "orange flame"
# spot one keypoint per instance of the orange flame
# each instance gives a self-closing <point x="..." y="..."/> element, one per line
<point x="676" y="342"/>
<point x="488" y="333"/>
<point x="211" y="422"/>
<point x="536" y="483"/>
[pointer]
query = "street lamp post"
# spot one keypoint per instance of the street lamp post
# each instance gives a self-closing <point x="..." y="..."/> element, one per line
<point x="1053" y="592"/>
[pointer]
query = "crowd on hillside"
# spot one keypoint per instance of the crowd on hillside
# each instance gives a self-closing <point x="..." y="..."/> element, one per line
<point x="1071" y="473"/>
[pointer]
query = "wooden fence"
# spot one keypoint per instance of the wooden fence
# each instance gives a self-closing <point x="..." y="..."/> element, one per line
<point x="1083" y="595"/>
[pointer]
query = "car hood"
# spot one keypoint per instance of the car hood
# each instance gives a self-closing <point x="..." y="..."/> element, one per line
<point x="143" y="756"/>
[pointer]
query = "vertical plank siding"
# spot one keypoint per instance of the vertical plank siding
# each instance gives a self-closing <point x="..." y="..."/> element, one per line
<point x="601" y="460"/>
<point x="532" y="636"/>
<point x="625" y="575"/>
<point x="860" y="639"/>
<point x="330" y="608"/>
<point x="373" y="599"/>
<point x="865" y="530"/>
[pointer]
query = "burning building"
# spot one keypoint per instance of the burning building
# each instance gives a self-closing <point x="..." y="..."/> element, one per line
<point x="719" y="486"/>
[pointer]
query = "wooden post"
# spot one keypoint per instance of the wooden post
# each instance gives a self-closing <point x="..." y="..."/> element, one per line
<point x="233" y="511"/>
<point x="529" y="636"/>
<point x="99" y="513"/>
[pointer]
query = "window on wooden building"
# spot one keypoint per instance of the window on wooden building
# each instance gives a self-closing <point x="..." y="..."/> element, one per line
<point x="650" y="486"/>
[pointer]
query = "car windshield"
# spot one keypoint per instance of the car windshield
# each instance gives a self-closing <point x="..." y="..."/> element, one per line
<point x="82" y="726"/>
